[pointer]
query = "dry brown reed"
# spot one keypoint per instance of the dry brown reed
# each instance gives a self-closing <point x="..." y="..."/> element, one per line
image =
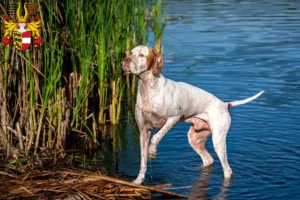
<point x="75" y="184"/>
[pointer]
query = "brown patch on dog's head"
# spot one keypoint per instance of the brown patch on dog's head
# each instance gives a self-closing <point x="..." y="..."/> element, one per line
<point x="154" y="61"/>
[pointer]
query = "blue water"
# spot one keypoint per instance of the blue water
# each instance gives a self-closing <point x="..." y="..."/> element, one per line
<point x="233" y="49"/>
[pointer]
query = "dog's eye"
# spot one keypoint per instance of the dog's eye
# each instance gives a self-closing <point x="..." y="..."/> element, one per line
<point x="141" y="55"/>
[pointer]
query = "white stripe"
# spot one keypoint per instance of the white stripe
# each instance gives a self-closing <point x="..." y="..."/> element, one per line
<point x="26" y="40"/>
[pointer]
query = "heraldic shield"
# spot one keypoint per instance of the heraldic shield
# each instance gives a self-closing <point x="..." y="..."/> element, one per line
<point x="22" y="40"/>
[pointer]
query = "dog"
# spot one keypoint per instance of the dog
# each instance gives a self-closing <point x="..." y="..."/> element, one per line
<point x="162" y="103"/>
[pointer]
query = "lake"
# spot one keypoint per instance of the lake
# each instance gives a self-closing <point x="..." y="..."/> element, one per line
<point x="233" y="49"/>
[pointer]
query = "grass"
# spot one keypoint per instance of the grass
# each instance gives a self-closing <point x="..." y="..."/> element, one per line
<point x="74" y="81"/>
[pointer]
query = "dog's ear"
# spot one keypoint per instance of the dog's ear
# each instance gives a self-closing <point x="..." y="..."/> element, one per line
<point x="158" y="62"/>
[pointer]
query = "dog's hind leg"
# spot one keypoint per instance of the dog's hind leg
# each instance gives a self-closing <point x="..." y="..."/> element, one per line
<point x="197" y="141"/>
<point x="219" y="124"/>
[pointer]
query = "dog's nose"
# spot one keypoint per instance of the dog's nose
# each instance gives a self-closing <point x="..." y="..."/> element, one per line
<point x="127" y="60"/>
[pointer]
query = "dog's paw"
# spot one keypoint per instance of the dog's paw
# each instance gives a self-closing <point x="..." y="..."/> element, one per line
<point x="228" y="173"/>
<point x="152" y="152"/>
<point x="138" y="181"/>
<point x="152" y="155"/>
<point x="208" y="162"/>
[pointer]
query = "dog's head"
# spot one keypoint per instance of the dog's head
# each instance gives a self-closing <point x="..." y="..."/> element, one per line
<point x="143" y="59"/>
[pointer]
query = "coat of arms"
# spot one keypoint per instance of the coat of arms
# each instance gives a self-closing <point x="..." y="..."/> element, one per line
<point x="20" y="31"/>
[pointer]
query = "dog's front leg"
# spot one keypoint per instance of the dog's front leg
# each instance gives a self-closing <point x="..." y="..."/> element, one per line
<point x="144" y="143"/>
<point x="160" y="134"/>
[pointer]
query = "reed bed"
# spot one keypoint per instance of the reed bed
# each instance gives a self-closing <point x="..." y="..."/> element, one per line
<point x="74" y="81"/>
<point x="75" y="184"/>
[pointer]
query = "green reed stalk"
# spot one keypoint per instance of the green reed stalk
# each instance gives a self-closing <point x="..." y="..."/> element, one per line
<point x="29" y="86"/>
<point x="53" y="59"/>
<point x="158" y="24"/>
<point x="103" y="27"/>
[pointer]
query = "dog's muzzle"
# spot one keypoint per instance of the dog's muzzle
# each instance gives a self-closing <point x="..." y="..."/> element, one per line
<point x="126" y="64"/>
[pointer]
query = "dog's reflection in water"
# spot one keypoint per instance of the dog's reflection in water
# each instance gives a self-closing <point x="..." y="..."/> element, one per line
<point x="200" y="188"/>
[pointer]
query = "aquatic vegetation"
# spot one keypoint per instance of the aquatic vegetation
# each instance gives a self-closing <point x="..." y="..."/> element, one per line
<point x="74" y="81"/>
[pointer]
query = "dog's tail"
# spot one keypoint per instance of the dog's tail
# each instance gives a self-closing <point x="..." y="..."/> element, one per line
<point x="236" y="103"/>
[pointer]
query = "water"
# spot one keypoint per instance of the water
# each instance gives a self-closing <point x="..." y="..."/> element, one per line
<point x="248" y="46"/>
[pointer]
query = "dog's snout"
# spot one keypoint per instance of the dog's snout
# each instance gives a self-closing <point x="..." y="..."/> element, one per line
<point x="127" y="59"/>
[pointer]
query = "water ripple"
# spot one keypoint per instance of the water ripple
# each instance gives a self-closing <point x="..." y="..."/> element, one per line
<point x="251" y="46"/>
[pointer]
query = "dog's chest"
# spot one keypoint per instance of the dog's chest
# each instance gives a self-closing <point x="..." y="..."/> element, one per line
<point x="153" y="111"/>
<point x="153" y="120"/>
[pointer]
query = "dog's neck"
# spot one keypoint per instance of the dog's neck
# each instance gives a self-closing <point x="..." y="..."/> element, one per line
<point x="147" y="81"/>
<point x="148" y="77"/>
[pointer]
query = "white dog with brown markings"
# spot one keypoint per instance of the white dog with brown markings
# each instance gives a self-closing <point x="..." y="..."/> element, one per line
<point x="161" y="103"/>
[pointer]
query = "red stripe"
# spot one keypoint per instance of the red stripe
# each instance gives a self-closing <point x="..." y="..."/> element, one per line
<point x="25" y="46"/>
<point x="26" y="34"/>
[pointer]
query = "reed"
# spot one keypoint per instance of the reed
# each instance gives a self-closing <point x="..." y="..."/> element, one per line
<point x="158" y="19"/>
<point x="74" y="81"/>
